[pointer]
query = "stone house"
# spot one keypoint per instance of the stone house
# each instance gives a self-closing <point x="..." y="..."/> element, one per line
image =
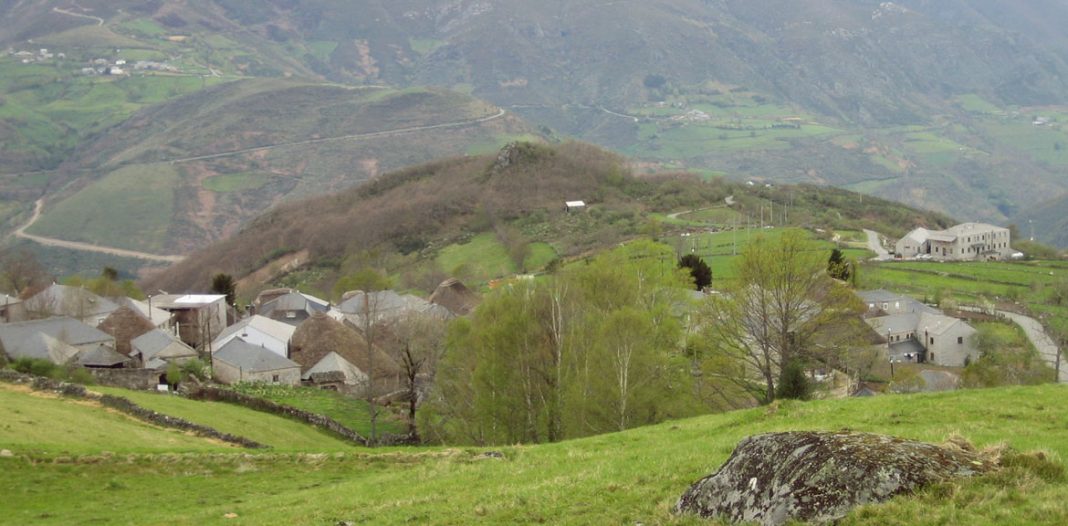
<point x="73" y="302"/>
<point x="914" y="332"/>
<point x="198" y="318"/>
<point x="964" y="242"/>
<point x="157" y="349"/>
<point x="292" y="308"/>
<point x="239" y="361"/>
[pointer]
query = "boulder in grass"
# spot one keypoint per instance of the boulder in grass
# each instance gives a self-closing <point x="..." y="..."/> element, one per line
<point x="818" y="476"/>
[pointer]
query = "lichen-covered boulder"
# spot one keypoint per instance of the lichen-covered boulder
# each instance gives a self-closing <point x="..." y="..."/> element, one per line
<point x="810" y="476"/>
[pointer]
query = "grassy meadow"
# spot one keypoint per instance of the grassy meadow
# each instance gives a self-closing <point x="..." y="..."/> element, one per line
<point x="630" y="477"/>
<point x="348" y="412"/>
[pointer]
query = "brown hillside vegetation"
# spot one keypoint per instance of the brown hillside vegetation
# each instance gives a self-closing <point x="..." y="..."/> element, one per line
<point x="417" y="211"/>
<point x="412" y="208"/>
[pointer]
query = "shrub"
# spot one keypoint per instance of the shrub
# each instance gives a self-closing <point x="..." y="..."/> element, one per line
<point x="793" y="384"/>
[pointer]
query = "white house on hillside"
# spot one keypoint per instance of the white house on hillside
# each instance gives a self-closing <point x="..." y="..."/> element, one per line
<point x="964" y="242"/>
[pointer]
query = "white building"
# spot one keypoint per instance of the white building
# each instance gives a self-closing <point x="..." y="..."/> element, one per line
<point x="964" y="242"/>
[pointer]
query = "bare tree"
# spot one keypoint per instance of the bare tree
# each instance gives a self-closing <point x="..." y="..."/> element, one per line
<point x="21" y="270"/>
<point x="419" y="340"/>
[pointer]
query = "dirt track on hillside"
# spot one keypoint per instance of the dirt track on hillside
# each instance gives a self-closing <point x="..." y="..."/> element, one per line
<point x="85" y="247"/>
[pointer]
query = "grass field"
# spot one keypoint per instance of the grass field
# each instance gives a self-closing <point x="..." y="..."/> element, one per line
<point x="623" y="478"/>
<point x="40" y="423"/>
<point x="236" y="182"/>
<point x="102" y="212"/>
<point x="277" y="432"/>
<point x="349" y="412"/>
<point x="721" y="249"/>
<point x="484" y="257"/>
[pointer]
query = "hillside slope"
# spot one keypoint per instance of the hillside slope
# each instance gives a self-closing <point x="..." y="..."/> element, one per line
<point x="422" y="215"/>
<point x="631" y="477"/>
<point x="179" y="175"/>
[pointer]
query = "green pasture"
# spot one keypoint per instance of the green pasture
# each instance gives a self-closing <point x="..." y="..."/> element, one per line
<point x="129" y="208"/>
<point x="622" y="478"/>
<point x="349" y="412"/>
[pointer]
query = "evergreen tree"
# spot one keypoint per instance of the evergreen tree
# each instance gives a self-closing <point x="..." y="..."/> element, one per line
<point x="699" y="270"/>
<point x="224" y="284"/>
<point x="793" y="384"/>
<point x="837" y="266"/>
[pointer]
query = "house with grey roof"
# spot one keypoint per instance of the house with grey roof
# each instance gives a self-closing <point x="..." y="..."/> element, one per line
<point x="240" y="361"/>
<point x="914" y="332"/>
<point x="385" y="306"/>
<point x="258" y="330"/>
<point x="157" y="349"/>
<point x="60" y="340"/>
<point x="73" y="302"/>
<point x="963" y="242"/>
<point x="292" y="308"/>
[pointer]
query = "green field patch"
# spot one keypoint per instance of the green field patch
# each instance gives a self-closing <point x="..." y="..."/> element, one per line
<point x="1040" y="143"/>
<point x="425" y="46"/>
<point x="322" y="49"/>
<point x="349" y="412"/>
<point x="484" y="257"/>
<point x="145" y="27"/>
<point x="129" y="208"/>
<point x="973" y="103"/>
<point x="33" y="422"/>
<point x="239" y="182"/>
<point x="716" y="216"/>
<point x="271" y="430"/>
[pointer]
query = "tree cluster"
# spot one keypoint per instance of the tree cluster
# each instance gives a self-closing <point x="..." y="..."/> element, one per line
<point x="593" y="349"/>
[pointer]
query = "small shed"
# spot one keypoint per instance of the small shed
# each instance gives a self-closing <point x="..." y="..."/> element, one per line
<point x="574" y="206"/>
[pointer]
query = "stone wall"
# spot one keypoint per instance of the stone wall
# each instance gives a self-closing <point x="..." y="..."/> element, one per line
<point x="135" y="379"/>
<point x="215" y="394"/>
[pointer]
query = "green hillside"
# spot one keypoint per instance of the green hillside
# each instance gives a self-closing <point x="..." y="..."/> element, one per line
<point x="493" y="216"/>
<point x="191" y="171"/>
<point x="629" y="477"/>
<point x="49" y="425"/>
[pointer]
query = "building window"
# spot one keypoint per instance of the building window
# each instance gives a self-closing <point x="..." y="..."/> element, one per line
<point x="960" y="340"/>
<point x="274" y="378"/>
<point x="932" y="340"/>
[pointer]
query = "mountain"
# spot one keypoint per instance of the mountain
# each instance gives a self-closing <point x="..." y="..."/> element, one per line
<point x="178" y="175"/>
<point x="492" y="216"/>
<point x="928" y="103"/>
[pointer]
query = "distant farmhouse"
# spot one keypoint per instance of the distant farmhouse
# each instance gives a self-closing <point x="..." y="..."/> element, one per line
<point x="964" y="242"/>
<point x="915" y="332"/>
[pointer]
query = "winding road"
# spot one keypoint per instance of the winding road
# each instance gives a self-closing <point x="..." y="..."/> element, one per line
<point x="875" y="245"/>
<point x="99" y="21"/>
<point x="1041" y="340"/>
<point x="369" y="135"/>
<point x="38" y="206"/>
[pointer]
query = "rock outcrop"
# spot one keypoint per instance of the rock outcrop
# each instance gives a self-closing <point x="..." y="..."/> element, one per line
<point x="818" y="476"/>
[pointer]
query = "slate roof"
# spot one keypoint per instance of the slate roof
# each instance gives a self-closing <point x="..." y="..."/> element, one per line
<point x="896" y="323"/>
<point x="65" y="300"/>
<point x="333" y="362"/>
<point x="293" y="301"/>
<point x="273" y="328"/>
<point x="252" y="358"/>
<point x="158" y="344"/>
<point x="936" y="324"/>
<point x="24" y="338"/>
<point x="102" y="356"/>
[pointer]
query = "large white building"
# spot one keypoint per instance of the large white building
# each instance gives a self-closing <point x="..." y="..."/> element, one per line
<point x="964" y="242"/>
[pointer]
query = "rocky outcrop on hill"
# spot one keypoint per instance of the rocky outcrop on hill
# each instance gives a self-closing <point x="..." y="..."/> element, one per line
<point x="817" y="476"/>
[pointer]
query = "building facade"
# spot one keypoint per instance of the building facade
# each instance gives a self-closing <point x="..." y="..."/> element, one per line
<point x="964" y="242"/>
